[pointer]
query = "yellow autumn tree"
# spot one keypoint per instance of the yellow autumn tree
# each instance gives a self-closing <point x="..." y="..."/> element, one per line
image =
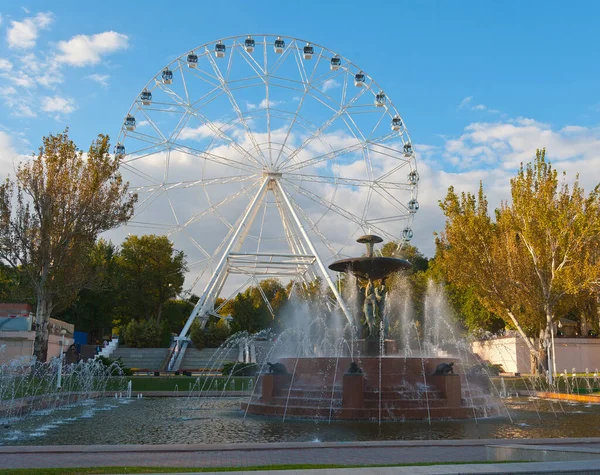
<point x="539" y="250"/>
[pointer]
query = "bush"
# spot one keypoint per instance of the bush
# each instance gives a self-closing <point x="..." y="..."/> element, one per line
<point x="165" y="334"/>
<point x="197" y="334"/>
<point x="146" y="334"/>
<point x="216" y="335"/>
<point x="118" y="370"/>
<point x="239" y="369"/>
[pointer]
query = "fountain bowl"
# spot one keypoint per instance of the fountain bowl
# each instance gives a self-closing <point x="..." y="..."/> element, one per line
<point x="373" y="268"/>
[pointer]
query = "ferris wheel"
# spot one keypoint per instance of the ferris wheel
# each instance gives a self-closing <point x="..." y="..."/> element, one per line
<point x="266" y="156"/>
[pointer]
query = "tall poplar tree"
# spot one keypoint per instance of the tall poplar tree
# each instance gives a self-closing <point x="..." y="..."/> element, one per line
<point x="539" y="250"/>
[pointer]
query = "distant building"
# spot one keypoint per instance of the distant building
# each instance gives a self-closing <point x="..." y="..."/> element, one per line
<point x="17" y="332"/>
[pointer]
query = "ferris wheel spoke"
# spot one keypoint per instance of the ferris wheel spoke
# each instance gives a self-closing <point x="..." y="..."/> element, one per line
<point x="336" y="180"/>
<point x="145" y="138"/>
<point x="153" y="125"/>
<point x="325" y="203"/>
<point x="254" y="65"/>
<point x="324" y="127"/>
<point x="149" y="225"/>
<point x="359" y="145"/>
<point x="389" y="173"/>
<point x="237" y="109"/>
<point x="179" y="127"/>
<point x="295" y="117"/>
<point x="196" y="183"/>
<point x="313" y="226"/>
<point x="147" y="201"/>
<point x="212" y="157"/>
<point x="195" y="243"/>
<point x="282" y="57"/>
<point x="221" y="203"/>
<point x="391" y="199"/>
<point x="140" y="173"/>
<point x="216" y="130"/>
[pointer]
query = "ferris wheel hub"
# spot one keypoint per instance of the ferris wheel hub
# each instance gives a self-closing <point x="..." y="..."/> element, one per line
<point x="271" y="175"/>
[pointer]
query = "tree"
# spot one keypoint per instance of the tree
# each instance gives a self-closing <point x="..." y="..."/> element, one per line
<point x="51" y="214"/>
<point x="93" y="310"/>
<point x="537" y="252"/>
<point x="152" y="272"/>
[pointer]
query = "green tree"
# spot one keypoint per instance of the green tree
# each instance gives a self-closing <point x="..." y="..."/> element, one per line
<point x="50" y="216"/>
<point x="151" y="273"/>
<point x="93" y="310"/>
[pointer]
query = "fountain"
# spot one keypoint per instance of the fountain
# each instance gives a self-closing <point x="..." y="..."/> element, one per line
<point x="367" y="378"/>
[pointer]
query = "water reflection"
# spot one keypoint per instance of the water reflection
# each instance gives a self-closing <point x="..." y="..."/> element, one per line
<point x="216" y="421"/>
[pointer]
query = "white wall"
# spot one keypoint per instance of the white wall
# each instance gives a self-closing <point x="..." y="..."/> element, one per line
<point x="513" y="355"/>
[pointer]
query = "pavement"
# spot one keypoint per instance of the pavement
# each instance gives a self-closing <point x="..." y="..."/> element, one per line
<point x="516" y="468"/>
<point x="245" y="455"/>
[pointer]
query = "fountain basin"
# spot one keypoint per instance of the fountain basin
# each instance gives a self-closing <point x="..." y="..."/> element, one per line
<point x="373" y="268"/>
<point x="390" y="388"/>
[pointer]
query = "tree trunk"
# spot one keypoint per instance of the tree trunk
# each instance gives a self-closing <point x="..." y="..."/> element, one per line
<point x="533" y="351"/>
<point x="159" y="313"/>
<point x="42" y="315"/>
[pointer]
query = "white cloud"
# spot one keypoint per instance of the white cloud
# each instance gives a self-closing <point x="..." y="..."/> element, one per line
<point x="465" y="102"/>
<point x="101" y="79"/>
<point x="84" y="50"/>
<point x="264" y="103"/>
<point x="58" y="104"/>
<point x="5" y="65"/>
<point x="200" y="132"/>
<point x="479" y="107"/>
<point x="23" y="34"/>
<point x="329" y="84"/>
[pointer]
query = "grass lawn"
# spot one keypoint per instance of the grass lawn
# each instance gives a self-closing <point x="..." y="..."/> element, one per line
<point x="182" y="383"/>
<point x="104" y="470"/>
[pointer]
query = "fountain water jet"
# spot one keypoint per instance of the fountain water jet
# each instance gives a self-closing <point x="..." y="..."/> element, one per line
<point x="371" y="375"/>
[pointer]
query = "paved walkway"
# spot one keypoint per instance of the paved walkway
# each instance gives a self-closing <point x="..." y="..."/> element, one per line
<point x="588" y="467"/>
<point x="244" y="455"/>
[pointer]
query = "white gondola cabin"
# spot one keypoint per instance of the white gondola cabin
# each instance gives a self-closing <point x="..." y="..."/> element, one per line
<point x="308" y="51"/>
<point x="249" y="44"/>
<point x="413" y="206"/>
<point x="335" y="63"/>
<point x="146" y="97"/>
<point x="408" y="150"/>
<point x="192" y="60"/>
<point x="220" y="50"/>
<point x="380" y="99"/>
<point x="167" y="76"/>
<point x="413" y="177"/>
<point x="359" y="79"/>
<point x="130" y="122"/>
<point x="407" y="234"/>
<point x="397" y="123"/>
<point x="120" y="150"/>
<point x="279" y="45"/>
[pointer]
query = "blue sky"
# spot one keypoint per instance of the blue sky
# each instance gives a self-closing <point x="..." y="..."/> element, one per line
<point x="480" y="85"/>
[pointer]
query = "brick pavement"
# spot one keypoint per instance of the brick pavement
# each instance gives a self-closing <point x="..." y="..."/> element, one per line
<point x="243" y="455"/>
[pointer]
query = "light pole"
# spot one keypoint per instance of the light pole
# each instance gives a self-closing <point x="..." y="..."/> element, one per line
<point x="63" y="332"/>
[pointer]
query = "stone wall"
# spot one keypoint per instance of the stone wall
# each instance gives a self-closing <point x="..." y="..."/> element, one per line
<point x="513" y="355"/>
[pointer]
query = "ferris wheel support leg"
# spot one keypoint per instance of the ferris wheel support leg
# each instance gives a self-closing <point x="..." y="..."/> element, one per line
<point x="221" y="266"/>
<point x="312" y="248"/>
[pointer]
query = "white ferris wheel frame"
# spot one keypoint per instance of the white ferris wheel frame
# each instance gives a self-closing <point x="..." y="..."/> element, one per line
<point x="267" y="172"/>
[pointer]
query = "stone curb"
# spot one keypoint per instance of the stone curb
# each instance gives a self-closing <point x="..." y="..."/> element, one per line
<point x="32" y="449"/>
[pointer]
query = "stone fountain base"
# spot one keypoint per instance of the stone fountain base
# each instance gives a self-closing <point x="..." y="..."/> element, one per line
<point x="390" y="388"/>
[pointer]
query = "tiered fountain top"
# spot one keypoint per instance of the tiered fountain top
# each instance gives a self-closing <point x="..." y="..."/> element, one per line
<point x="370" y="267"/>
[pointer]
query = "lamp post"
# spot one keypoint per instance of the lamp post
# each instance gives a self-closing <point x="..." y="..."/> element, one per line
<point x="63" y="332"/>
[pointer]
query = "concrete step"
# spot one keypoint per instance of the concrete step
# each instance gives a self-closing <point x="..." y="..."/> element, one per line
<point x="142" y="358"/>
